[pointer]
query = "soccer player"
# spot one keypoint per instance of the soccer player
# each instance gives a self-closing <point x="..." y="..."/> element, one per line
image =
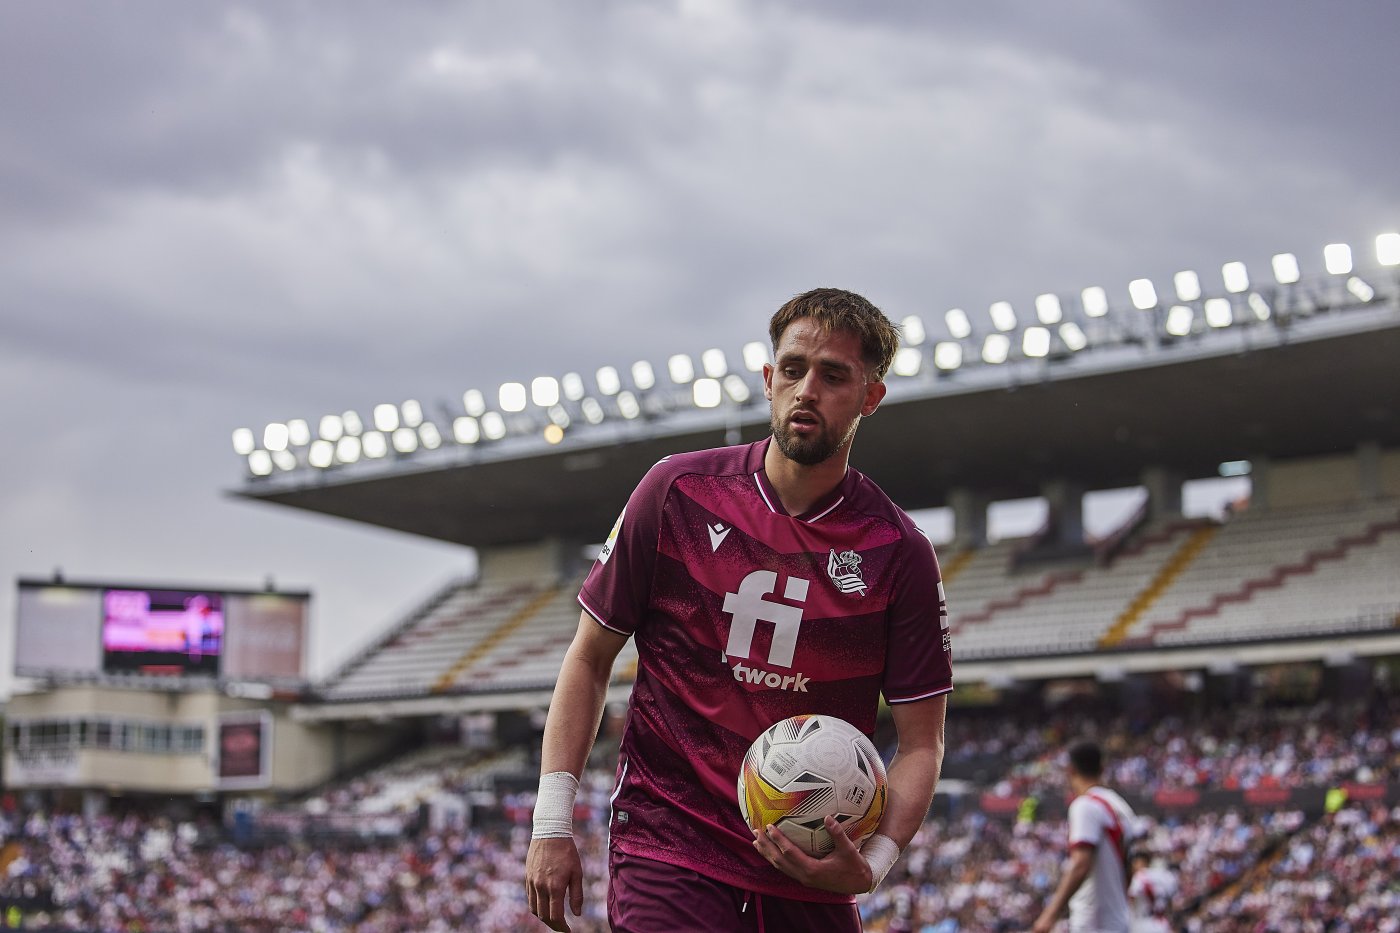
<point x="1101" y="826"/>
<point x="760" y="582"/>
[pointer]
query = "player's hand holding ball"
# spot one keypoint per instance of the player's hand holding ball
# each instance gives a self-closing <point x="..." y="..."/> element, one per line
<point x="812" y="788"/>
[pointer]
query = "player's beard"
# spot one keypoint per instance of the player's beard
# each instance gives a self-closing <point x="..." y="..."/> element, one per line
<point x="809" y="451"/>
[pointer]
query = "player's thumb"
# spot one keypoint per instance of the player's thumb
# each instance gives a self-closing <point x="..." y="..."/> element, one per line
<point x="838" y="834"/>
<point x="576" y="896"/>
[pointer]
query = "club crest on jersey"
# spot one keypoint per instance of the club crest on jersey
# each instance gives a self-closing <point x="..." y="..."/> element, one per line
<point x="844" y="570"/>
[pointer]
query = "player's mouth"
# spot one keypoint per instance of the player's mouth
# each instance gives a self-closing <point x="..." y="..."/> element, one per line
<point x="803" y="420"/>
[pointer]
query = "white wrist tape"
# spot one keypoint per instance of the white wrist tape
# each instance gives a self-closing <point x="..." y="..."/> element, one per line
<point x="880" y="854"/>
<point x="554" y="806"/>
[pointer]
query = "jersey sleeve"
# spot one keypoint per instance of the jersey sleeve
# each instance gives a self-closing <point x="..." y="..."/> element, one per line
<point x="919" y="651"/>
<point x="1086" y="823"/>
<point x="618" y="587"/>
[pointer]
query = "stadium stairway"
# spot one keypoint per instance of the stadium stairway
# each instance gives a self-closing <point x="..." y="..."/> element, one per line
<point x="412" y="659"/>
<point x="1149" y="595"/>
<point x="511" y="624"/>
<point x="957" y="565"/>
<point x="1247" y="581"/>
<point x="1059" y="612"/>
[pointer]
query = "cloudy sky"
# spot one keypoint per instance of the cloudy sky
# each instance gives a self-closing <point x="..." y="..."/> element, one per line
<point x="218" y="215"/>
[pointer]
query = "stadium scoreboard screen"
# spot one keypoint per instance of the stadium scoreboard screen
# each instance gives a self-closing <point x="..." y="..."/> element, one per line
<point x="67" y="629"/>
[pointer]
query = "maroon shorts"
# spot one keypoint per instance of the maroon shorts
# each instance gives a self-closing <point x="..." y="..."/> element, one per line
<point x="646" y="896"/>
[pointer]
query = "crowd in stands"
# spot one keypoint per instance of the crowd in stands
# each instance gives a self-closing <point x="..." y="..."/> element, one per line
<point x="1236" y="871"/>
<point x="1341" y="875"/>
<point x="983" y="874"/>
<point x="133" y="875"/>
<point x="1237" y="748"/>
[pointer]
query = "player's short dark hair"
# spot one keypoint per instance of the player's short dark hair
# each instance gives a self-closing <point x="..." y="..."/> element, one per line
<point x="1086" y="758"/>
<point x="837" y="309"/>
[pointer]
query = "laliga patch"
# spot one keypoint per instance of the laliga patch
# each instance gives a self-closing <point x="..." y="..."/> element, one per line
<point x="611" y="543"/>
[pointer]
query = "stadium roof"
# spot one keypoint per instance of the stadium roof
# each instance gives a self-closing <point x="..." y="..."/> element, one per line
<point x="1306" y="387"/>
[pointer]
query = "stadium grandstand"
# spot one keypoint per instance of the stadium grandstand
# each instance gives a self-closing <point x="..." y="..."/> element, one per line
<point x="1240" y="667"/>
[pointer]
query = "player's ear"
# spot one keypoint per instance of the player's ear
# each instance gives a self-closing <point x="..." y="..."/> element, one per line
<point x="768" y="381"/>
<point x="874" y="395"/>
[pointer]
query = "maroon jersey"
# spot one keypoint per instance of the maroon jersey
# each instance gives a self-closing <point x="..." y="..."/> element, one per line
<point x="744" y="615"/>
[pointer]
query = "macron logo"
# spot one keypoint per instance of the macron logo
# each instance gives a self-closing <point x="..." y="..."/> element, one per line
<point x="718" y="532"/>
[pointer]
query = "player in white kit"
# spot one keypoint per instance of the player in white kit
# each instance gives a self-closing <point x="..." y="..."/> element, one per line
<point x="1095" y="881"/>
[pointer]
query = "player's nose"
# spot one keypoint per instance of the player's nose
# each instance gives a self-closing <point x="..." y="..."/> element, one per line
<point x="808" y="389"/>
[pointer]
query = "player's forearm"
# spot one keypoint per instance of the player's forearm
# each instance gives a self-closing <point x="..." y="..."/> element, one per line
<point x="574" y="713"/>
<point x="1074" y="877"/>
<point x="913" y="777"/>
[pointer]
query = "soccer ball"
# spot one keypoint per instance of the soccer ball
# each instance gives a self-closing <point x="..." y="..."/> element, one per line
<point x="808" y="767"/>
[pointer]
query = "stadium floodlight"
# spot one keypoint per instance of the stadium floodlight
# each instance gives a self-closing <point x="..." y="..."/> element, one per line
<point x="592" y="411"/>
<point x="331" y="428"/>
<point x="947" y="355"/>
<point x="512" y="396"/>
<point x="627" y="404"/>
<point x="1235" y="468"/>
<point x="608" y="381"/>
<point x="405" y="440"/>
<point x="1047" y="308"/>
<point x="572" y="384"/>
<point x="907" y="361"/>
<point x="1095" y="301"/>
<point x="466" y="430"/>
<point x="386" y="417"/>
<point x="429" y="434"/>
<point x="1035" y="342"/>
<point x="706" y="393"/>
<point x="1337" y="258"/>
<point x="412" y="413"/>
<point x="643" y="376"/>
<point x="352" y="423"/>
<point x="1003" y="315"/>
<point x="474" y="402"/>
<point x="959" y="327"/>
<point x="493" y="426"/>
<point x="714" y="364"/>
<point x="275" y="436"/>
<point x="1073" y="336"/>
<point x="1179" y="320"/>
<point x="558" y="415"/>
<point x="1260" y="307"/>
<point x="374" y="445"/>
<point x="755" y="356"/>
<point x="347" y="449"/>
<point x="1286" y="269"/>
<point x="1235" y="276"/>
<point x="737" y="388"/>
<point x="680" y="368"/>
<point x="285" y="460"/>
<point x="1188" y="285"/>
<point x="260" y="463"/>
<point x="243" y="441"/>
<point x="1388" y="249"/>
<point x="996" y="348"/>
<point x="1143" y="294"/>
<point x="321" y="454"/>
<point x="553" y="434"/>
<point x="544" y="391"/>
<point x="298" y="432"/>
<point x="1219" y="313"/>
<point x="1360" y="288"/>
<point x="912" y="330"/>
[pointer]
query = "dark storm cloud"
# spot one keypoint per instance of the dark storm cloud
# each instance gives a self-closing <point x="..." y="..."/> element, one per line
<point x="223" y="215"/>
